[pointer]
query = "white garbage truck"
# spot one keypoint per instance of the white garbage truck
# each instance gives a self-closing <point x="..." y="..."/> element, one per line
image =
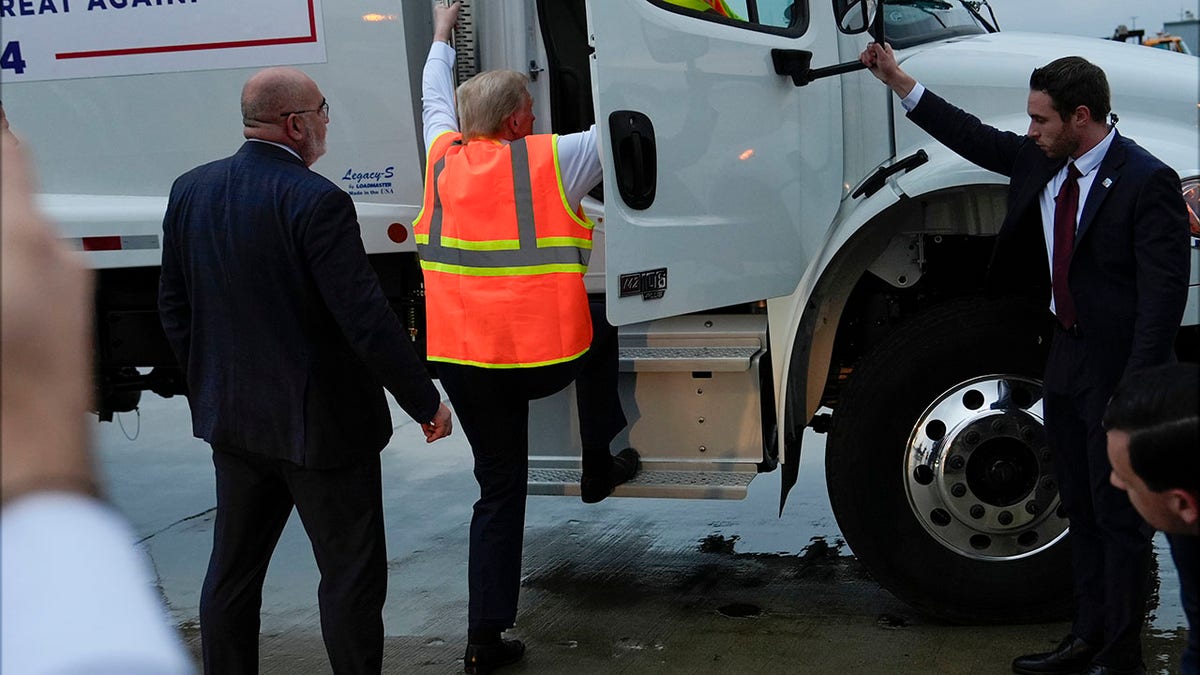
<point x="780" y="248"/>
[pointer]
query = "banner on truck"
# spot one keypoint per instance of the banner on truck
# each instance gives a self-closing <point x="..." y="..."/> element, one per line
<point x="64" y="39"/>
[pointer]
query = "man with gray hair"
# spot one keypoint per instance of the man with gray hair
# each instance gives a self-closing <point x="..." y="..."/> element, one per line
<point x="504" y="245"/>
<point x="285" y="338"/>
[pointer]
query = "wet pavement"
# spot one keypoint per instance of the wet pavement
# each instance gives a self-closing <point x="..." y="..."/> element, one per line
<point x="624" y="586"/>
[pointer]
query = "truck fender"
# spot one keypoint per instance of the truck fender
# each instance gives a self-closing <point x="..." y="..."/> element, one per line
<point x="805" y="322"/>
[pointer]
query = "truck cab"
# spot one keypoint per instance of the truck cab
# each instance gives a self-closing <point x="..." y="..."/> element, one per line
<point x="779" y="247"/>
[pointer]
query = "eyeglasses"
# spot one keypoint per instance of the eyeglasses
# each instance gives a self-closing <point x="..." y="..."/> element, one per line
<point x="323" y="109"/>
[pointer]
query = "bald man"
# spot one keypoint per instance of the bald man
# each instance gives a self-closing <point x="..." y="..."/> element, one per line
<point x="287" y="342"/>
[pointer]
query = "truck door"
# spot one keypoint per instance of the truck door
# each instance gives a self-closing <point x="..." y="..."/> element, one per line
<point x="721" y="176"/>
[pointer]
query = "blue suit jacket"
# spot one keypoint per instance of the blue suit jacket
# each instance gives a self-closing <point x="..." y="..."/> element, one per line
<point x="1129" y="267"/>
<point x="276" y="317"/>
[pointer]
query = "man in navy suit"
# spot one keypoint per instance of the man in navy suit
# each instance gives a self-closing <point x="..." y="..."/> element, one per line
<point x="1097" y="227"/>
<point x="287" y="341"/>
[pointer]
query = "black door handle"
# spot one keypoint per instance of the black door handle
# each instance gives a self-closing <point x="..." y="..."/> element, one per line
<point x="635" y="157"/>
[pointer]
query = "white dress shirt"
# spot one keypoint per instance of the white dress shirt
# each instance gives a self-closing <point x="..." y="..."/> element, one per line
<point x="76" y="595"/>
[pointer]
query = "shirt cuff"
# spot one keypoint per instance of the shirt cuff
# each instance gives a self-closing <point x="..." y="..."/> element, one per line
<point x="914" y="97"/>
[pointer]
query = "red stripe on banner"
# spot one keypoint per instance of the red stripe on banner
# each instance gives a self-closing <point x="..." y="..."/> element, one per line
<point x="302" y="39"/>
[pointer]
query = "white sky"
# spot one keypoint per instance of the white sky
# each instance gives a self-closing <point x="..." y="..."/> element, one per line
<point x="1091" y="18"/>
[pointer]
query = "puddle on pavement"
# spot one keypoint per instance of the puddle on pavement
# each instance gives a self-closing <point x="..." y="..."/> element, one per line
<point x="740" y="610"/>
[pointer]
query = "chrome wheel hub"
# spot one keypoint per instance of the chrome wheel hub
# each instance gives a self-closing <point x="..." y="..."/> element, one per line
<point x="978" y="472"/>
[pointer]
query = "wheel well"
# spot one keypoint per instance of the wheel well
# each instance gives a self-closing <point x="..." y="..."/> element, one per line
<point x="953" y="266"/>
<point x="943" y="240"/>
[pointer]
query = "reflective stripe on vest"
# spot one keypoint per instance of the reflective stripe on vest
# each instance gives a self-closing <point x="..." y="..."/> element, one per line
<point x="528" y="254"/>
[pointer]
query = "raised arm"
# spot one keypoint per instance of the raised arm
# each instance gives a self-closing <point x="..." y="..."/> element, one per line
<point x="437" y="80"/>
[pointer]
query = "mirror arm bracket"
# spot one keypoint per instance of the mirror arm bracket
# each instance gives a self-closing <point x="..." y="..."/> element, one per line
<point x="797" y="63"/>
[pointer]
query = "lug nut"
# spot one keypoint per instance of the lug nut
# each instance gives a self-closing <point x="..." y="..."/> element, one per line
<point x="1033" y="508"/>
<point x="977" y="512"/>
<point x="998" y="426"/>
<point x="958" y="490"/>
<point x="957" y="462"/>
<point x="1048" y="484"/>
<point x="1005" y="518"/>
<point x="971" y="437"/>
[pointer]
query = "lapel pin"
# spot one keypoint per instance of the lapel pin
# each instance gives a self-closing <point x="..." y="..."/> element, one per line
<point x="1107" y="182"/>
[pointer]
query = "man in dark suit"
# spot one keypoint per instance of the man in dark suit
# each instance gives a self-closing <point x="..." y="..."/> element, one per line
<point x="1096" y="226"/>
<point x="285" y="338"/>
<point x="1153" y="424"/>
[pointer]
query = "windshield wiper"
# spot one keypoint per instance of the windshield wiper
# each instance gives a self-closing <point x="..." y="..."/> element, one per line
<point x="973" y="6"/>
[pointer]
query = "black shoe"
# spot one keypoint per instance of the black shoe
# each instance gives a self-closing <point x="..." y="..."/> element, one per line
<point x="1071" y="656"/>
<point x="486" y="658"/>
<point x="624" y="466"/>
<point x="1098" y="669"/>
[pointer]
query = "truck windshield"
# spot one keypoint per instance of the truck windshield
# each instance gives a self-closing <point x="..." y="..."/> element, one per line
<point x="913" y="22"/>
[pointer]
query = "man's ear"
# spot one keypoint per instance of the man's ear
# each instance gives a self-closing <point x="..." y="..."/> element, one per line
<point x="1185" y="505"/>
<point x="1081" y="116"/>
<point x="293" y="126"/>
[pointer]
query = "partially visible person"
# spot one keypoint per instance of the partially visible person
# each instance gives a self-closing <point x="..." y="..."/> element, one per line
<point x="287" y="343"/>
<point x="503" y="245"/>
<point x="718" y="7"/>
<point x="1153" y="424"/>
<point x="4" y="126"/>
<point x="1097" y="229"/>
<point x="76" y="595"/>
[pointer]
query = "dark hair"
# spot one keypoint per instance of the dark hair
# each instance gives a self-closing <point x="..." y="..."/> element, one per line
<point x="1159" y="408"/>
<point x="1073" y="81"/>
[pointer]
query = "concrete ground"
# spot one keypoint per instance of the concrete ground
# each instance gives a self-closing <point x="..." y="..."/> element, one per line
<point x="625" y="586"/>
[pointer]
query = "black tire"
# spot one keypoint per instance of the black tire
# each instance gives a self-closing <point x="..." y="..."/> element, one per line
<point x="888" y="465"/>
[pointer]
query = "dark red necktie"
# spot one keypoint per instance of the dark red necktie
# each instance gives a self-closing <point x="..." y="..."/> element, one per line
<point x="1065" y="206"/>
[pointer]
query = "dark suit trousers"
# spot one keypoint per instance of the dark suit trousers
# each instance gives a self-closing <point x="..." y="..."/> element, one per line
<point x="342" y="512"/>
<point x="1185" y="550"/>
<point x="1110" y="543"/>
<point x="492" y="406"/>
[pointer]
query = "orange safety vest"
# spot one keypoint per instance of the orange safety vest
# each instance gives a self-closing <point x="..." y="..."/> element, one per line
<point x="718" y="6"/>
<point x="502" y="254"/>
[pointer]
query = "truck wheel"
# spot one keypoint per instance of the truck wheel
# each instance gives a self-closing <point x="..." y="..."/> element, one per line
<point x="938" y="468"/>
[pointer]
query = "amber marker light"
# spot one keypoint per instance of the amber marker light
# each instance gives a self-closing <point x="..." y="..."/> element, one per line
<point x="373" y="18"/>
<point x="746" y="154"/>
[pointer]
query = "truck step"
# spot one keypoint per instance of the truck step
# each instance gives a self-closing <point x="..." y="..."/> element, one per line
<point x="698" y="358"/>
<point x="650" y="483"/>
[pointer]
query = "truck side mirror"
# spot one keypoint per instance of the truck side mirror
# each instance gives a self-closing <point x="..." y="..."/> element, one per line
<point x="855" y="16"/>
